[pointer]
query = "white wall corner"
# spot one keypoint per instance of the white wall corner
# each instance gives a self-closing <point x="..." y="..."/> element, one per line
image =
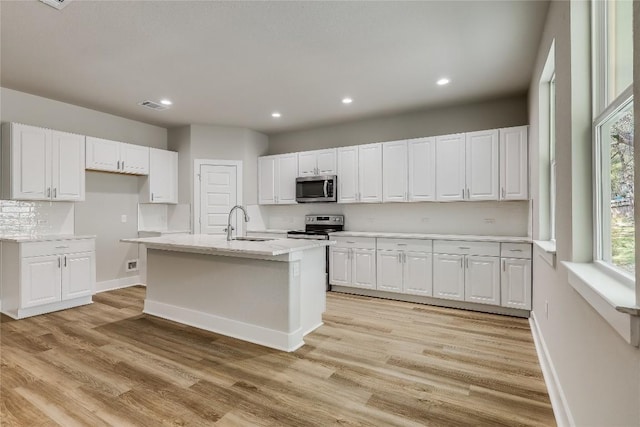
<point x="556" y="394"/>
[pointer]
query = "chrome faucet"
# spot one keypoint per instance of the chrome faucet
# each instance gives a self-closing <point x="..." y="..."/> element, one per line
<point x="230" y="228"/>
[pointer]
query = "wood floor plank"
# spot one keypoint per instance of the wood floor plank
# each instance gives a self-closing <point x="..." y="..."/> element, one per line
<point x="374" y="362"/>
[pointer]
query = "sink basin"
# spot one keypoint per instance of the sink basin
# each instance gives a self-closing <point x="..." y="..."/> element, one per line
<point x="253" y="239"/>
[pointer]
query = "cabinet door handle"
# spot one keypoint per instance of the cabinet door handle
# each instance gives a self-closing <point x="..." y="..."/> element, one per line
<point x="58" y="262"/>
<point x="468" y="196"/>
<point x="400" y="257"/>
<point x="123" y="165"/>
<point x="461" y="262"/>
<point x="49" y="192"/>
<point x="118" y="166"/>
<point x="467" y="263"/>
<point x="462" y="193"/>
<point x="504" y="265"/>
<point x="503" y="193"/>
<point x="55" y="193"/>
<point x="152" y="197"/>
<point x="404" y="257"/>
<point x="65" y="260"/>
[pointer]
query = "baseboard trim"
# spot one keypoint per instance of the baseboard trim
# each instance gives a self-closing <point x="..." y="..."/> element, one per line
<point x="279" y="340"/>
<point x="556" y="395"/>
<point x="123" y="282"/>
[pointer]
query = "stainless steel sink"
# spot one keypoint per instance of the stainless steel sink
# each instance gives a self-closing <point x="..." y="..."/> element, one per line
<point x="253" y="239"/>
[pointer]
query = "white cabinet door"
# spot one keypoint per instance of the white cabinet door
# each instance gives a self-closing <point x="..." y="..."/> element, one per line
<point x="134" y="159"/>
<point x="516" y="283"/>
<point x="102" y="155"/>
<point x="482" y="284"/>
<point x="30" y="163"/>
<point x="307" y="163"/>
<point x="370" y="173"/>
<point x="340" y="266"/>
<point x="348" y="174"/>
<point x="326" y="162"/>
<point x="514" y="161"/>
<point x="422" y="169"/>
<point x="363" y="273"/>
<point x="482" y="165"/>
<point x="78" y="275"/>
<point x="389" y="265"/>
<point x="448" y="276"/>
<point x="266" y="180"/>
<point x="163" y="177"/>
<point x="417" y="275"/>
<point x="40" y="280"/>
<point x="68" y="175"/>
<point x="286" y="173"/>
<point x="394" y="171"/>
<point x="450" y="167"/>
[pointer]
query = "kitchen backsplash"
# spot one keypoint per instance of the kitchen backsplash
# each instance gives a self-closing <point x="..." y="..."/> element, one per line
<point x="35" y="218"/>
<point x="479" y="218"/>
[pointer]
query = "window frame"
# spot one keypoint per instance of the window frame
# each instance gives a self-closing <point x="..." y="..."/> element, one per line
<point x="552" y="157"/>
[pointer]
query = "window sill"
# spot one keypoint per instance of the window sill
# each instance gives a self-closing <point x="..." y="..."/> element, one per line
<point x="613" y="300"/>
<point x="547" y="251"/>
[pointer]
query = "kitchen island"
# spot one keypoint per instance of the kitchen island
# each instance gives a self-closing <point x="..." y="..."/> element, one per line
<point x="268" y="292"/>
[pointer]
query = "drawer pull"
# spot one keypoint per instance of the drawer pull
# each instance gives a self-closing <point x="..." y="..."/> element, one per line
<point x="464" y="247"/>
<point x="62" y="247"/>
<point x="402" y="244"/>
<point x="351" y="242"/>
<point x="515" y="250"/>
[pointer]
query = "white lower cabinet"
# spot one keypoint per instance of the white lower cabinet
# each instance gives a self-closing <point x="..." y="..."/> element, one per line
<point x="405" y="266"/>
<point x="516" y="276"/>
<point x="40" y="277"/>
<point x="352" y="262"/>
<point x="467" y="271"/>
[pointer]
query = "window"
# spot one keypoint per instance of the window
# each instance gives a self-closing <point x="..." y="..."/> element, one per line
<point x="613" y="126"/>
<point x="552" y="158"/>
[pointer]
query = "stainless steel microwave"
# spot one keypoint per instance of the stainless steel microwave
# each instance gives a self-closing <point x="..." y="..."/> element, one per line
<point x="317" y="189"/>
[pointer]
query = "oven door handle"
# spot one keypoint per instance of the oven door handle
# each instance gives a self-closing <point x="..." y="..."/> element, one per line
<point x="326" y="182"/>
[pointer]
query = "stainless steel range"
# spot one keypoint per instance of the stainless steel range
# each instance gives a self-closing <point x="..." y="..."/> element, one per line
<point x="318" y="227"/>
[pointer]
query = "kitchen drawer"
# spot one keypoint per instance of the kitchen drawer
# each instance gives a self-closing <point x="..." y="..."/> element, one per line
<point x="354" y="242"/>
<point x="415" y="245"/>
<point x="515" y="250"/>
<point x="56" y="247"/>
<point x="466" y="248"/>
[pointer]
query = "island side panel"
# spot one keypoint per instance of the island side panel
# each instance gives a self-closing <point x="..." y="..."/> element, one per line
<point x="250" y="299"/>
<point x="313" y="288"/>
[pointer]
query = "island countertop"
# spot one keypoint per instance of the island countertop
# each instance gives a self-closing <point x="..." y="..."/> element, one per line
<point x="218" y="245"/>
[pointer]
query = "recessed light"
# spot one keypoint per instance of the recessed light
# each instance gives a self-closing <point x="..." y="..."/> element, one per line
<point x="165" y="102"/>
<point x="443" y="81"/>
<point x="276" y="115"/>
<point x="347" y="100"/>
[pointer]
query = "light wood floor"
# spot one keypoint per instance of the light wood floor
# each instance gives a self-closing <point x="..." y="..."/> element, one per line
<point x="374" y="362"/>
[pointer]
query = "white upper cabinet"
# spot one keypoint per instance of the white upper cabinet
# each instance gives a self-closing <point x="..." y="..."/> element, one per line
<point x="68" y="176"/>
<point x="161" y="186"/>
<point x="286" y="172"/>
<point x="409" y="172"/>
<point x="41" y="164"/>
<point x="348" y="174"/>
<point x="277" y="179"/>
<point x="394" y="171"/>
<point x="422" y="169"/>
<point x="319" y="162"/>
<point x="113" y="156"/>
<point x="370" y="173"/>
<point x="514" y="161"/>
<point x="481" y="150"/>
<point x="450" y="167"/>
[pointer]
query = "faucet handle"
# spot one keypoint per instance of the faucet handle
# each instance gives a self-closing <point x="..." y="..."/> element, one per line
<point x="226" y="229"/>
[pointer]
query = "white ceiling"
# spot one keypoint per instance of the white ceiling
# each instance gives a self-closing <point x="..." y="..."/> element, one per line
<point x="234" y="63"/>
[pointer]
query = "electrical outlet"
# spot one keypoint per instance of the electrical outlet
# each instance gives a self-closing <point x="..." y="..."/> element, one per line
<point x="489" y="220"/>
<point x="132" y="265"/>
<point x="546" y="309"/>
<point x="123" y="219"/>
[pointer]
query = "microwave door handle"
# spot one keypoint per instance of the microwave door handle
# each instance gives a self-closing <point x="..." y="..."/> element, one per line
<point x="326" y="182"/>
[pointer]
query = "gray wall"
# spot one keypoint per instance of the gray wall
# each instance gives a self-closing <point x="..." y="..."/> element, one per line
<point x="218" y="143"/>
<point x="598" y="372"/>
<point x="108" y="196"/>
<point x="498" y="113"/>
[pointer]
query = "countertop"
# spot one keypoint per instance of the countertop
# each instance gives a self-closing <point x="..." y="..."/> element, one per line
<point x="218" y="245"/>
<point x="159" y="231"/>
<point x="43" y="238"/>
<point x="465" y="237"/>
<point x="269" y="231"/>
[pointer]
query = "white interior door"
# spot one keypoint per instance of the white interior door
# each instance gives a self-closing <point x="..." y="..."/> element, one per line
<point x="218" y="194"/>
